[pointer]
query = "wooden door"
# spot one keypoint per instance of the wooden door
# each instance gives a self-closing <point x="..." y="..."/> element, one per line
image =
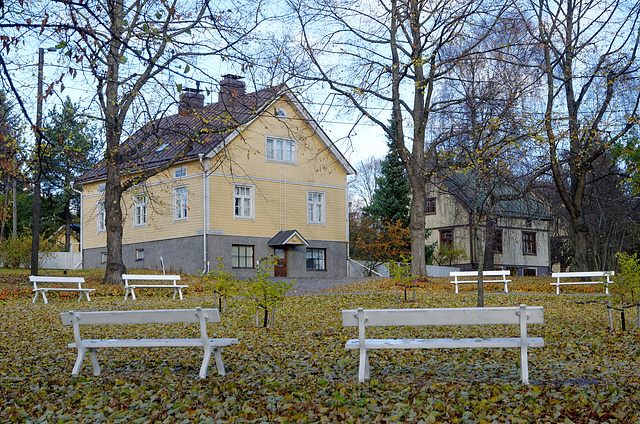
<point x="280" y="270"/>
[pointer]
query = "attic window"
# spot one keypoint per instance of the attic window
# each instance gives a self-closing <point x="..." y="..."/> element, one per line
<point x="162" y="147"/>
<point x="280" y="113"/>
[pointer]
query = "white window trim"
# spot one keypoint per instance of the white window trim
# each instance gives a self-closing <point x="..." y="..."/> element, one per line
<point x="323" y="220"/>
<point x="294" y="152"/>
<point x="175" y="201"/>
<point x="136" y="209"/>
<point x="101" y="217"/>
<point x="178" y="170"/>
<point x="252" y="216"/>
<point x="139" y="255"/>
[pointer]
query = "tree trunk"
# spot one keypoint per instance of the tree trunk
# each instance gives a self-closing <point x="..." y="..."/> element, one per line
<point x="417" y="227"/>
<point x="490" y="237"/>
<point x="14" y="235"/>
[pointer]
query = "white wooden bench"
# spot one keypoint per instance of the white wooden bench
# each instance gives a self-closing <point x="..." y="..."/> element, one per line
<point x="151" y="282"/>
<point x="60" y="284"/>
<point x="363" y="318"/>
<point x="561" y="276"/>
<point x="167" y="316"/>
<point x="503" y="274"/>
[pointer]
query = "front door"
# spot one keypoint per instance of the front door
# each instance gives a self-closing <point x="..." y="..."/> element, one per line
<point x="280" y="269"/>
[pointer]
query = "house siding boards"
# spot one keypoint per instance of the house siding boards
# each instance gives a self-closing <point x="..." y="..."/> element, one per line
<point x="279" y="193"/>
<point x="451" y="214"/>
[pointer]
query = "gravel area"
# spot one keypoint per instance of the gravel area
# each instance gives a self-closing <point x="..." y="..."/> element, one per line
<point x="312" y="285"/>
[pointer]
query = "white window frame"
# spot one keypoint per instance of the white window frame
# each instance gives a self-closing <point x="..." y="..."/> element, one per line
<point x="180" y="204"/>
<point x="243" y="197"/>
<point x="103" y="257"/>
<point x="180" y="171"/>
<point x="102" y="187"/>
<point x="139" y="254"/>
<point x="101" y="217"/>
<point x="312" y="212"/>
<point x="140" y="210"/>
<point x="277" y="154"/>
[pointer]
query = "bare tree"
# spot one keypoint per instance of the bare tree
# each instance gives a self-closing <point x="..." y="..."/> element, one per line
<point x="591" y="95"/>
<point x="364" y="187"/>
<point x="122" y="47"/>
<point x="392" y="54"/>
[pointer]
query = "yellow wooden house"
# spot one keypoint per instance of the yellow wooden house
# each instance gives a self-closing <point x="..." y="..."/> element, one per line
<point x="262" y="179"/>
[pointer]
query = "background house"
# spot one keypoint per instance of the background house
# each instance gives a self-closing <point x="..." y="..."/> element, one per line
<point x="263" y="179"/>
<point x="521" y="226"/>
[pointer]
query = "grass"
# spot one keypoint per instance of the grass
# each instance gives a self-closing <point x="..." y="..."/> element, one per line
<point x="300" y="372"/>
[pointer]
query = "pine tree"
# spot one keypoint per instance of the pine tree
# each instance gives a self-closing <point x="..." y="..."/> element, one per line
<point x="391" y="200"/>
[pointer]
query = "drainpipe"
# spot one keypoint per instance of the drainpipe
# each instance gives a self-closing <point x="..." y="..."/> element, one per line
<point x="205" y="210"/>
<point x="81" y="223"/>
<point x="346" y="198"/>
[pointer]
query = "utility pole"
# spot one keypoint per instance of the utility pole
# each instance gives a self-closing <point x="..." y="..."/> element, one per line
<point x="35" y="233"/>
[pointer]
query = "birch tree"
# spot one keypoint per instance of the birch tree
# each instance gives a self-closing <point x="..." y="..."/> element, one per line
<point x="591" y="92"/>
<point x="393" y="55"/>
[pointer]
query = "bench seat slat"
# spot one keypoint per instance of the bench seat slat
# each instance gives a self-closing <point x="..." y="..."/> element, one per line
<point x="108" y="343"/>
<point x="153" y="286"/>
<point x="444" y="343"/>
<point x="62" y="289"/>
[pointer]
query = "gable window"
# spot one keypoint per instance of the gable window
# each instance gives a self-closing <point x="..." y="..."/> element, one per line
<point x="101" y="217"/>
<point x="431" y="206"/>
<point x="140" y="210"/>
<point x="316" y="259"/>
<point x="497" y="241"/>
<point x="529" y="243"/>
<point x="280" y="150"/>
<point x="446" y="239"/>
<point x="241" y="256"/>
<point x="243" y="201"/>
<point x="180" y="172"/>
<point x="315" y="207"/>
<point x="181" y="203"/>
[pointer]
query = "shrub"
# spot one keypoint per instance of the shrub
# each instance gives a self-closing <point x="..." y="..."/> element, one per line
<point x="627" y="283"/>
<point x="224" y="284"/>
<point x="266" y="292"/>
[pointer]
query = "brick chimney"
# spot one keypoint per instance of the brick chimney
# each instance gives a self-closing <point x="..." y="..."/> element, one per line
<point x="190" y="100"/>
<point x="230" y="88"/>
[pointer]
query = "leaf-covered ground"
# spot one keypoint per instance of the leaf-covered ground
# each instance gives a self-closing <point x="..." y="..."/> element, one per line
<point x="300" y="372"/>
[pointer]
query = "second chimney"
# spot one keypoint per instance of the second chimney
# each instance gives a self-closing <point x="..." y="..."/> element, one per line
<point x="230" y="88"/>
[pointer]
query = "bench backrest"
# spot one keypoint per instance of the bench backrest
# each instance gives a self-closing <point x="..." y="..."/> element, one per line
<point x="500" y="272"/>
<point x="140" y="277"/>
<point x="43" y="279"/>
<point x="153" y="316"/>
<point x="442" y="316"/>
<point x="582" y="274"/>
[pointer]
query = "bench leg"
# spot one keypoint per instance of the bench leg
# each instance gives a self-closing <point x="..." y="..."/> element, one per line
<point x="80" y="358"/>
<point x="35" y="297"/>
<point x="218" y="355"/>
<point x="363" y="370"/>
<point x="87" y="293"/>
<point x="80" y="296"/>
<point x="524" y="364"/>
<point x="506" y="289"/>
<point x="44" y="297"/>
<point x="94" y="362"/>
<point x="180" y="293"/>
<point x="456" y="288"/>
<point x="133" y="294"/>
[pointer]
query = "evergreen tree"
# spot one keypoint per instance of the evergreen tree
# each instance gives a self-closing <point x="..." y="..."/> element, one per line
<point x="71" y="150"/>
<point x="391" y="200"/>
